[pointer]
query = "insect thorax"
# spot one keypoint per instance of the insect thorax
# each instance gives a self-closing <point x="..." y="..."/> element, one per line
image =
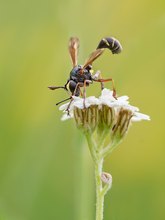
<point x="77" y="76"/>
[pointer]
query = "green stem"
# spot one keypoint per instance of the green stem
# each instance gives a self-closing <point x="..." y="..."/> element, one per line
<point x="99" y="195"/>
<point x="102" y="139"/>
<point x="98" y="159"/>
<point x="108" y="149"/>
<point x="106" y="188"/>
<point x="92" y="146"/>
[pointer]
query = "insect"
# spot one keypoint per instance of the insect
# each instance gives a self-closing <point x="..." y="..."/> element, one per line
<point x="81" y="75"/>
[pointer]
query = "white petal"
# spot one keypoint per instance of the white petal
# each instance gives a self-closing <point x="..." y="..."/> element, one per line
<point x="106" y="97"/>
<point x="92" y="100"/>
<point x="132" y="108"/>
<point x="121" y="101"/>
<point x="76" y="98"/>
<point x="139" y="116"/>
<point x="107" y="92"/>
<point x="79" y="104"/>
<point x="64" y="106"/>
<point x="66" y="116"/>
<point x="123" y="98"/>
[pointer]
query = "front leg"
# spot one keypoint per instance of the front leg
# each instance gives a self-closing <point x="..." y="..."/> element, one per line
<point x="84" y="90"/>
<point x="97" y="76"/>
<point x="75" y="89"/>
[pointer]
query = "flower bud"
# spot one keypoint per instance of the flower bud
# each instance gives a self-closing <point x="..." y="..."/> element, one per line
<point x="106" y="178"/>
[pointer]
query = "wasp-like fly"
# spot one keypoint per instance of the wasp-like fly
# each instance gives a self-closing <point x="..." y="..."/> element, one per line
<point x="81" y="75"/>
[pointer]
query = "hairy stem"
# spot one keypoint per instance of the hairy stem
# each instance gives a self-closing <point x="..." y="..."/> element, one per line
<point x="98" y="159"/>
<point x="99" y="187"/>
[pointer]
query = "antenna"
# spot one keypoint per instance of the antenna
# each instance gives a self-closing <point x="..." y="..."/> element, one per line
<point x="63" y="101"/>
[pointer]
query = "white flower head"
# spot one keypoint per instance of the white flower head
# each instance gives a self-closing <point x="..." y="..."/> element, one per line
<point x="103" y="118"/>
<point x="104" y="112"/>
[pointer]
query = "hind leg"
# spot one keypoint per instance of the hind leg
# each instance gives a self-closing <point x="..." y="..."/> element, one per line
<point x="108" y="80"/>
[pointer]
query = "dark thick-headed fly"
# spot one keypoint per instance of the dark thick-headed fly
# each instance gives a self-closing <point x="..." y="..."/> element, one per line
<point x="81" y="75"/>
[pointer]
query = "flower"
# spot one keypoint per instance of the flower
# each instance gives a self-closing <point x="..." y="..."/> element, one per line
<point x="105" y="115"/>
<point x="121" y="104"/>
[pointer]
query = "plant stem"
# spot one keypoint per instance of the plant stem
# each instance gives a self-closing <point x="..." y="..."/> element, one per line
<point x="99" y="195"/>
<point x="98" y="159"/>
<point x="92" y="146"/>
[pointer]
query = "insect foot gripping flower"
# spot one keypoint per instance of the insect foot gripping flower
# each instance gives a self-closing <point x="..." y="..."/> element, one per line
<point x="105" y="122"/>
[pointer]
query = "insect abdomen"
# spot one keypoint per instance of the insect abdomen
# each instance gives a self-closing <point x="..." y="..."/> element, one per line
<point x="111" y="43"/>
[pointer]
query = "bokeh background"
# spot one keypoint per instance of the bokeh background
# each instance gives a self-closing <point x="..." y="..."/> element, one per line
<point x="45" y="168"/>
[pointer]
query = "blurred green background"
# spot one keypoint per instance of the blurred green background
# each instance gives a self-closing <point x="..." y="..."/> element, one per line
<point x="45" y="167"/>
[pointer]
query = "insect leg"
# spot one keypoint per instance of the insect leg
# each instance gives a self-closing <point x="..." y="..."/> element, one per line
<point x="69" y="105"/>
<point x="108" y="80"/>
<point x="60" y="87"/>
<point x="56" y="87"/>
<point x="77" y="86"/>
<point x="84" y="90"/>
<point x="63" y="101"/>
<point x="66" y="84"/>
<point x="96" y="76"/>
<point x="102" y="83"/>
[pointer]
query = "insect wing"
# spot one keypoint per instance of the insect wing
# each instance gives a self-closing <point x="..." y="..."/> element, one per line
<point x="94" y="55"/>
<point x="73" y="49"/>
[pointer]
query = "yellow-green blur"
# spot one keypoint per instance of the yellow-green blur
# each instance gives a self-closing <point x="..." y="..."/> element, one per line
<point x="45" y="171"/>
